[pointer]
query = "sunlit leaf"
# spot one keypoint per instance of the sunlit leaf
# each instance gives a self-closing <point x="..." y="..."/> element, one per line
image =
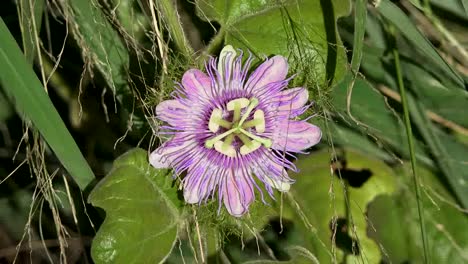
<point x="300" y="30"/>
<point x="397" y="225"/>
<point x="322" y="199"/>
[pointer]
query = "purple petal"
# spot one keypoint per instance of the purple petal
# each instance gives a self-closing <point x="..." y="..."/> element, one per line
<point x="272" y="70"/>
<point x="291" y="101"/>
<point x="197" y="185"/>
<point x="158" y="160"/>
<point x="238" y="193"/>
<point x="172" y="112"/>
<point x="295" y="136"/>
<point x="196" y="83"/>
<point x="270" y="170"/>
<point x="163" y="156"/>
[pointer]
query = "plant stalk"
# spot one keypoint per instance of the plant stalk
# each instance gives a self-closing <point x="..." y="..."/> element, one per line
<point x="409" y="135"/>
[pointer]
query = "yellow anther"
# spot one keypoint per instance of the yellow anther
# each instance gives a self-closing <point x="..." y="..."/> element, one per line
<point x="241" y="102"/>
<point x="236" y="105"/>
<point x="259" y="115"/>
<point x="213" y="125"/>
<point x="246" y="149"/>
<point x="228" y="142"/>
<point x="226" y="150"/>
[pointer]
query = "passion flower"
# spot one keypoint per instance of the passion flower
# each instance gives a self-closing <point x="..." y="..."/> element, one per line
<point x="232" y="130"/>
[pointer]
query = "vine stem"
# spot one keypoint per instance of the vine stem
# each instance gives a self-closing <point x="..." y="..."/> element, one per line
<point x="171" y="17"/>
<point x="409" y="135"/>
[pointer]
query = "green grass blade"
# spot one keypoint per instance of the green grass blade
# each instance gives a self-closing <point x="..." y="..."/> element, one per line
<point x="457" y="7"/>
<point x="465" y="5"/>
<point x="407" y="28"/>
<point x="440" y="150"/>
<point x="409" y="133"/>
<point x="359" y="32"/>
<point x="30" y="14"/>
<point x="23" y="87"/>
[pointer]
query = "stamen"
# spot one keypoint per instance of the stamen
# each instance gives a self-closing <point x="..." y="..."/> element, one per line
<point x="266" y="142"/>
<point x="251" y="123"/>
<point x="227" y="143"/>
<point x="243" y="102"/>
<point x="246" y="149"/>
<point x="245" y="140"/>
<point x="260" y="115"/>
<point x="258" y="122"/>
<point x="224" y="123"/>
<point x="210" y="142"/>
<point x="216" y="115"/>
<point x="229" y="151"/>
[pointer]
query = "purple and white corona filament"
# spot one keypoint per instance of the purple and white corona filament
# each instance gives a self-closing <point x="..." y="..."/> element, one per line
<point x="231" y="130"/>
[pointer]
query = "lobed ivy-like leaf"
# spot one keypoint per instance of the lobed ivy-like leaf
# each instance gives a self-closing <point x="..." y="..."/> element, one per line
<point x="303" y="31"/>
<point x="142" y="212"/>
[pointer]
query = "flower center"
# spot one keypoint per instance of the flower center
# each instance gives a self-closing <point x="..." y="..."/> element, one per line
<point x="237" y="128"/>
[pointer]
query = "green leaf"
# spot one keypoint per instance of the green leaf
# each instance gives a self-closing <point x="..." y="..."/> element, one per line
<point x="303" y="31"/>
<point x="6" y="109"/>
<point x="101" y="44"/>
<point x="431" y="95"/>
<point x="299" y="255"/>
<point x="378" y="120"/>
<point x="322" y="200"/>
<point x="435" y="94"/>
<point x="358" y="140"/>
<point x="457" y="7"/>
<point x="132" y="19"/>
<point x="387" y="230"/>
<point x="30" y="23"/>
<point x="26" y="92"/>
<point x="399" y="19"/>
<point x="142" y="212"/>
<point x="104" y="49"/>
<point x="449" y="154"/>
<point x="395" y="219"/>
